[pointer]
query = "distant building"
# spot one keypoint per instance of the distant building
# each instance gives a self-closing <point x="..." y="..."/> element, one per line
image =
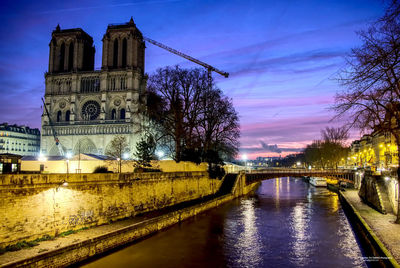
<point x="19" y="140"/>
<point x="377" y="150"/>
<point x="10" y="163"/>
<point x="88" y="107"/>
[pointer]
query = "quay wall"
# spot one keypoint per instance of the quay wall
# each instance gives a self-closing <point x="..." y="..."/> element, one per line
<point x="34" y="205"/>
<point x="370" y="241"/>
<point x="83" y="250"/>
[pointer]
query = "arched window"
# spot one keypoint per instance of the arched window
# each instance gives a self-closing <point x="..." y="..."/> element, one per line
<point x="62" y="57"/>
<point x="124" y="54"/>
<point x="71" y="56"/>
<point x="122" y="114"/>
<point x="115" y="55"/>
<point x="59" y="116"/>
<point x="67" y="115"/>
<point x="113" y="114"/>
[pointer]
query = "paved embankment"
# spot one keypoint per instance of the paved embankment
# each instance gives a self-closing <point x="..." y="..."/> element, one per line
<point x="84" y="244"/>
<point x="379" y="229"/>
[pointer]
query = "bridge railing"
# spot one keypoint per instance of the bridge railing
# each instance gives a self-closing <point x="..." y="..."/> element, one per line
<point x="258" y="175"/>
<point x="301" y="171"/>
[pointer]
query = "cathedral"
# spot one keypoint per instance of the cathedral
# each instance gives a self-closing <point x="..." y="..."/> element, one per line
<point x="89" y="107"/>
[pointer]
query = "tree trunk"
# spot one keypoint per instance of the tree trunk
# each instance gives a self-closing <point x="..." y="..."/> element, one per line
<point x="398" y="184"/>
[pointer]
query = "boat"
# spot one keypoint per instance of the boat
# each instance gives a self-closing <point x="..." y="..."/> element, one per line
<point x="318" y="182"/>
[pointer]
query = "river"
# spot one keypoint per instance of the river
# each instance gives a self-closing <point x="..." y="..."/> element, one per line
<point x="288" y="223"/>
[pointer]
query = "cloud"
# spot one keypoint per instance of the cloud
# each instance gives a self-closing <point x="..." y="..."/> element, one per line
<point x="60" y="10"/>
<point x="263" y="148"/>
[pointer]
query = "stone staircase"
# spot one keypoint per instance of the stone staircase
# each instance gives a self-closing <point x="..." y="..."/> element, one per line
<point x="227" y="184"/>
<point x="384" y="195"/>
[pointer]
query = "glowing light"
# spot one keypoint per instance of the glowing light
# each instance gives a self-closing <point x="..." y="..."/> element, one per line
<point x="42" y="158"/>
<point x="65" y="184"/>
<point x="160" y="154"/>
<point x="298" y="163"/>
<point x="125" y="156"/>
<point x="68" y="155"/>
<point x="387" y="178"/>
<point x="244" y="157"/>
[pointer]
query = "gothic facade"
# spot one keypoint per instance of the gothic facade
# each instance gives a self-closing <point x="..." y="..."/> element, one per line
<point x="89" y="107"/>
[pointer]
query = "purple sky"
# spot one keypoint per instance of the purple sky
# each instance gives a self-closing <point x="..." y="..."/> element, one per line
<point x="282" y="56"/>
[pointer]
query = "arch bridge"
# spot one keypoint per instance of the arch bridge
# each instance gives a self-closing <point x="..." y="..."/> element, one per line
<point x="344" y="175"/>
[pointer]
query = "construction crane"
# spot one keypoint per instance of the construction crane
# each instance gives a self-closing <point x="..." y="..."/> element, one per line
<point x="57" y="141"/>
<point x="209" y="68"/>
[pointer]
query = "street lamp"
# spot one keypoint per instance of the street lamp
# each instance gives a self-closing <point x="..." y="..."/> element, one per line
<point x="244" y="158"/>
<point x="119" y="164"/>
<point x="42" y="158"/>
<point x="68" y="155"/>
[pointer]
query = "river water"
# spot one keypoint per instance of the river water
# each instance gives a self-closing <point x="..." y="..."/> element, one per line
<point x="288" y="223"/>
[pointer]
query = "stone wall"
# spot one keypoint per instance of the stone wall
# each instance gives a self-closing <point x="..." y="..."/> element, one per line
<point x="34" y="205"/>
<point x="380" y="192"/>
<point x="87" y="165"/>
<point x="370" y="193"/>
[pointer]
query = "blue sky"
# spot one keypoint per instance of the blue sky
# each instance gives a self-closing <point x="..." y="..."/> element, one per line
<point x="282" y="56"/>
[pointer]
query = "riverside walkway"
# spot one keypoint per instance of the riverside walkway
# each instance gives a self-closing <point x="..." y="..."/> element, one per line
<point x="379" y="226"/>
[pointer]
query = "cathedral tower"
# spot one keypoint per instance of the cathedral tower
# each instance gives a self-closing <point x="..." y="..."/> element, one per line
<point x="90" y="107"/>
<point x="71" y="50"/>
<point x="123" y="47"/>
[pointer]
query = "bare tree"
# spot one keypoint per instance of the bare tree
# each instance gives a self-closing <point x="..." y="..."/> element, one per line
<point x="335" y="135"/>
<point x="195" y="117"/>
<point x="313" y="154"/>
<point x="334" y="147"/>
<point x="371" y="79"/>
<point x="117" y="149"/>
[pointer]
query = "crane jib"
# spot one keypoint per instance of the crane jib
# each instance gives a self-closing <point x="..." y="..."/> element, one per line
<point x="176" y="52"/>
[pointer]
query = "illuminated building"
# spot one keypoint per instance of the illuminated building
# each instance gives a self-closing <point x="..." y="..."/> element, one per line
<point x="19" y="140"/>
<point x="90" y="107"/>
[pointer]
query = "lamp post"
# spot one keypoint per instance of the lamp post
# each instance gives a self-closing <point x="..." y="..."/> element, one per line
<point x="119" y="164"/>
<point x="68" y="155"/>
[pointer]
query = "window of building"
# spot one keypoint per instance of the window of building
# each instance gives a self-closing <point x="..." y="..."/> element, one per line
<point x="71" y="56"/>
<point x="113" y="114"/>
<point x="59" y="116"/>
<point x="62" y="57"/>
<point x="90" y="84"/>
<point x="122" y="114"/>
<point x="124" y="54"/>
<point x="115" y="55"/>
<point x="67" y="115"/>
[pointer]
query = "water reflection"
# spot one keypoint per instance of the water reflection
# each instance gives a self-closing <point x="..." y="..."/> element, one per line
<point x="277" y="189"/>
<point x="300" y="247"/>
<point x="244" y="248"/>
<point x="287" y="224"/>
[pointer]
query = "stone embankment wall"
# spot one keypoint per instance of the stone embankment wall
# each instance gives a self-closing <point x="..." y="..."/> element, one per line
<point x="35" y="205"/>
<point x="380" y="192"/>
<point x="82" y="250"/>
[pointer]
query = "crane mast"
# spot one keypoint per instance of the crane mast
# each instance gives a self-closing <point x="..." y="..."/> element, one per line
<point x="57" y="141"/>
<point x="209" y="68"/>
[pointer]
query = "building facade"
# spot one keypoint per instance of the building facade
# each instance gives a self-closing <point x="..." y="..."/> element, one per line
<point x="19" y="140"/>
<point x="377" y="150"/>
<point x="89" y="107"/>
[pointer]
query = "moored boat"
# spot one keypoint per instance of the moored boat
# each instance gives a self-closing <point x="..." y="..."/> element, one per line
<point x="318" y="181"/>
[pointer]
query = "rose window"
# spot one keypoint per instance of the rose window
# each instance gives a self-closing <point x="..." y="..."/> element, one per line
<point x="90" y="110"/>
